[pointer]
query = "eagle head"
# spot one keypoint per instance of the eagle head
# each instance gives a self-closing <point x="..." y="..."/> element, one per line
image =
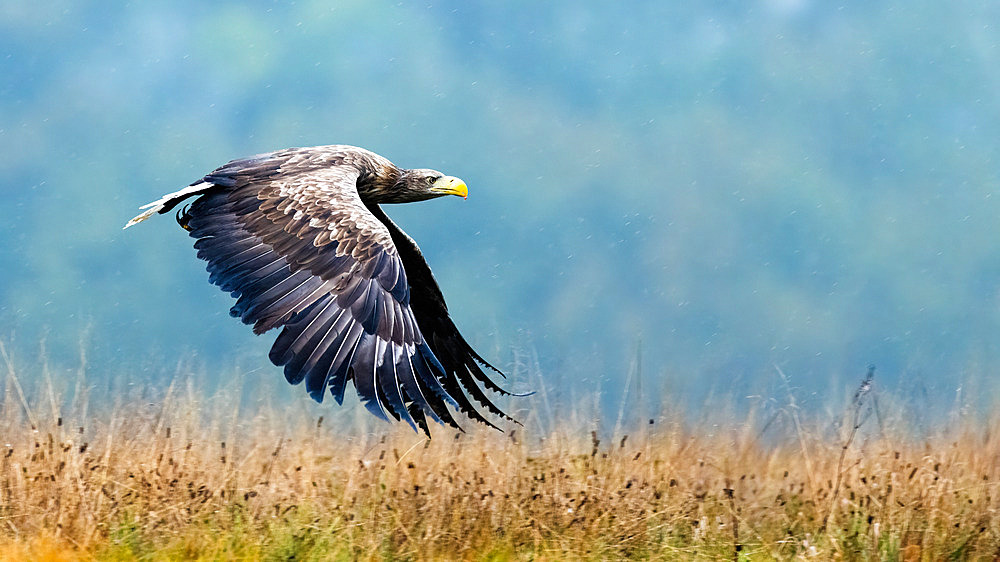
<point x="420" y="185"/>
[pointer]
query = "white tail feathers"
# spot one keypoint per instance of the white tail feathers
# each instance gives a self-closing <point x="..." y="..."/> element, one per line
<point x="168" y="201"/>
<point x="139" y="218"/>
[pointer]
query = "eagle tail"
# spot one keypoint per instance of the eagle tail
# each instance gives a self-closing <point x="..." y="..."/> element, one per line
<point x="169" y="201"/>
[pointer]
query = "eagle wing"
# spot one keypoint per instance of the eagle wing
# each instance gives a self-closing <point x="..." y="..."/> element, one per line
<point x="462" y="366"/>
<point x="299" y="250"/>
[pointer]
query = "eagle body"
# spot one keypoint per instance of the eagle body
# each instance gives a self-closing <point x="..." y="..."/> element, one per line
<point x="299" y="239"/>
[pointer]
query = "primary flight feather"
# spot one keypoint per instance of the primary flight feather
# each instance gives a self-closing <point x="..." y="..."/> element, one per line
<point x="299" y="240"/>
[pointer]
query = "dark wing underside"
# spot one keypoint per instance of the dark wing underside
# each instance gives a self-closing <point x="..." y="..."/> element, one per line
<point x="294" y="244"/>
<point x="463" y="367"/>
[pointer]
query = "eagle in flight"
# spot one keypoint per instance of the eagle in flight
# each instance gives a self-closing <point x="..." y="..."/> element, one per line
<point x="299" y="239"/>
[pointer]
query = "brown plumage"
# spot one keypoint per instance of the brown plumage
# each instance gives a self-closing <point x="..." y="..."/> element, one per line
<point x="298" y="238"/>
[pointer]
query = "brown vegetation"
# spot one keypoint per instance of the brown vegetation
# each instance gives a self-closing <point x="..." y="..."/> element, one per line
<point x="191" y="477"/>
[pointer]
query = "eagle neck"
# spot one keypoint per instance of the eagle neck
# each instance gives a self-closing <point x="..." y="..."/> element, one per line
<point x="374" y="183"/>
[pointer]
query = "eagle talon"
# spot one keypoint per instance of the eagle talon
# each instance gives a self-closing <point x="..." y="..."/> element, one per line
<point x="183" y="218"/>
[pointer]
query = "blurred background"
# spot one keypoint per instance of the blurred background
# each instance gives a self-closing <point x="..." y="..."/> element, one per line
<point x="702" y="193"/>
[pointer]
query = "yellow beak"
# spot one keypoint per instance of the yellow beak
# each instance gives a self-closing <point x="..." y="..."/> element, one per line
<point x="450" y="185"/>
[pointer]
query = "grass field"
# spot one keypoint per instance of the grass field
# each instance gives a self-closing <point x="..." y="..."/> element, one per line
<point x="189" y="476"/>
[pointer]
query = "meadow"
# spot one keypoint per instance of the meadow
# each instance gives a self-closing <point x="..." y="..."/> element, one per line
<point x="191" y="474"/>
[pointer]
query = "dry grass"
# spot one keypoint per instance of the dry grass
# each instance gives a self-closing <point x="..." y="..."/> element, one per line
<point x="188" y="477"/>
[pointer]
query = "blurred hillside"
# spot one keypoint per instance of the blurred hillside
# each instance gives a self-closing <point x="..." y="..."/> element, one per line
<point x="735" y="186"/>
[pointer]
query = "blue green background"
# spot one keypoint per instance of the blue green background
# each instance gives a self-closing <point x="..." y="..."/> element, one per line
<point x="714" y="188"/>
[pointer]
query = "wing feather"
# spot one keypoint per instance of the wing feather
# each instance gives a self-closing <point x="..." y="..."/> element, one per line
<point x="343" y="369"/>
<point x="319" y="321"/>
<point x="455" y="362"/>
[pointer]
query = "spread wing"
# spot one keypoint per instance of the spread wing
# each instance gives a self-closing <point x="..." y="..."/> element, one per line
<point x="463" y="367"/>
<point x="299" y="250"/>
